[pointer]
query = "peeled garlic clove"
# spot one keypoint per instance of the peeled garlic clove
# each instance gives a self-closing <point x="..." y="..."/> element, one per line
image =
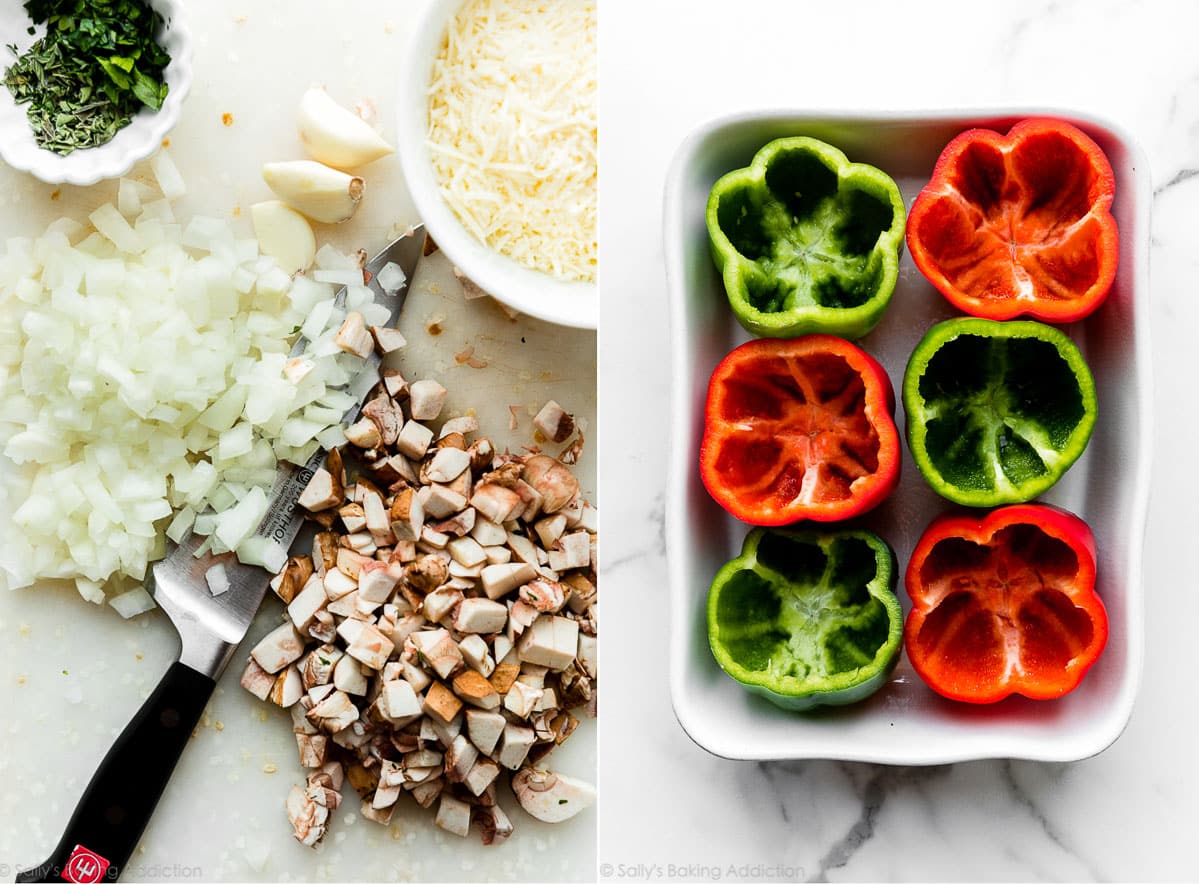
<point x="283" y="234"/>
<point x="315" y="190"/>
<point x="334" y="135"/>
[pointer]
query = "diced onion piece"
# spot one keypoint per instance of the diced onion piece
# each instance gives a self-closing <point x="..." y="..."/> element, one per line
<point x="217" y="579"/>
<point x="130" y="604"/>
<point x="170" y="182"/>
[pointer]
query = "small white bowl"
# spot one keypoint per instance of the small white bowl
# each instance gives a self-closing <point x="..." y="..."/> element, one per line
<point x="135" y="142"/>
<point x="522" y="288"/>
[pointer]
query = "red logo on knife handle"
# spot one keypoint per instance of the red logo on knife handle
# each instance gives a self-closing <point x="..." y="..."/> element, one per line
<point x="84" y="866"/>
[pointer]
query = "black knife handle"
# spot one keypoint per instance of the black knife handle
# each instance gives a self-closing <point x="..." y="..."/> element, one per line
<point x="117" y="803"/>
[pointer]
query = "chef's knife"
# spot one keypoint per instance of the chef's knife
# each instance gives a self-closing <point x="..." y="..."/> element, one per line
<point x="118" y="802"/>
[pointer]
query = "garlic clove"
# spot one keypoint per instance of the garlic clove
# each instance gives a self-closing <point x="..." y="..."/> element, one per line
<point x="336" y="136"/>
<point x="315" y="190"/>
<point x="283" y="234"/>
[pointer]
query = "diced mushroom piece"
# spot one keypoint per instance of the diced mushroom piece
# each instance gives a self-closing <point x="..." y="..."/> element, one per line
<point x="398" y="702"/>
<point x="553" y="422"/>
<point x="407" y="515"/>
<point x="476" y="690"/>
<point x="426" y="574"/>
<point x="426" y="397"/>
<point x="309" y="808"/>
<point x="317" y="667"/>
<point x="466" y="551"/>
<point x="440" y="652"/>
<point x="582" y="592"/>
<point x="377" y="581"/>
<point x="441" y="602"/>
<point x="377" y="520"/>
<point x="484" y="729"/>
<point x="288" y="687"/>
<point x="499" y="580"/>
<point x="350" y="629"/>
<point x="334" y="713"/>
<point x="458" y="525"/>
<point x="521" y="616"/>
<point x="555" y="483"/>
<point x="446" y="732"/>
<point x="482" y="454"/>
<point x="575" y="552"/>
<point x="313" y="749"/>
<point x="371" y="647"/>
<point x="532" y="675"/>
<point x="504" y="677"/>
<point x="349" y="677"/>
<point x="353" y="336"/>
<point x="298" y="368"/>
<point x="382" y="816"/>
<point x="453" y="815"/>
<point x="475" y="653"/>
<point x="572" y="452"/>
<point x="548" y="701"/>
<point x="551" y="797"/>
<point x="426" y="793"/>
<point x="324" y="552"/>
<point x="338" y="583"/>
<point x="307" y="602"/>
<point x="423" y="758"/>
<point x="386" y="416"/>
<point x="495" y="502"/>
<point x="550" y="529"/>
<point x="521" y="699"/>
<point x="494" y="823"/>
<point x="464" y="426"/>
<point x="441" y="501"/>
<point x="550" y="641"/>
<point x="394" y="384"/>
<point x="588" y="654"/>
<point x="279" y="647"/>
<point x="385" y="796"/>
<point x="323" y="491"/>
<point x="414" y="440"/>
<point x="257" y="680"/>
<point x="502" y="647"/>
<point x="387" y="340"/>
<point x="350" y="562"/>
<point x="487" y="532"/>
<point x="447" y="465"/>
<point x="480" y="616"/>
<point x="545" y="596"/>
<point x="497" y="555"/>
<point x="514" y="745"/>
<point x="415" y="676"/>
<point x="353" y="518"/>
<point x="364" y="433"/>
<point x="481" y="775"/>
<point x="441" y="703"/>
<point x="460" y="757"/>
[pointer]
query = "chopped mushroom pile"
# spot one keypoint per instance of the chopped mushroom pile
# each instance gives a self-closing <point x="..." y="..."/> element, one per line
<point x="443" y="630"/>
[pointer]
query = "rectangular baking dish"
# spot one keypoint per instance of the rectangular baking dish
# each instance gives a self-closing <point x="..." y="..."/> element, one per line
<point x="905" y="722"/>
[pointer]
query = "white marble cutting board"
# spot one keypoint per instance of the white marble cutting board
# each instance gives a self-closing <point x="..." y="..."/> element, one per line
<point x="75" y="673"/>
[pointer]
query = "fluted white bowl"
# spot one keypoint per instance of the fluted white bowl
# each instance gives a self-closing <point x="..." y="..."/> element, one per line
<point x="135" y="142"/>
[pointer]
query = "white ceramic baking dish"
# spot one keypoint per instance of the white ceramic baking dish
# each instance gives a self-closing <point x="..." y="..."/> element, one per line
<point x="905" y="722"/>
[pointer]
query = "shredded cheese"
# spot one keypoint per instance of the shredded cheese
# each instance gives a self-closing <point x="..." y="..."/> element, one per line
<point x="513" y="129"/>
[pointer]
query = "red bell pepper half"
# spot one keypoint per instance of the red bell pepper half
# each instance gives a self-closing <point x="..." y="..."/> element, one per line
<point x="1005" y="604"/>
<point x="799" y="429"/>
<point x="1019" y="224"/>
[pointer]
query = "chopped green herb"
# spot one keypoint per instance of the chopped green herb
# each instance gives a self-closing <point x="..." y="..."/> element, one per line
<point x="561" y="800"/>
<point x="97" y="65"/>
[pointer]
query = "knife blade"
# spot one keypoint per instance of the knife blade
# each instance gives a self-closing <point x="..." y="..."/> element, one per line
<point x="118" y="802"/>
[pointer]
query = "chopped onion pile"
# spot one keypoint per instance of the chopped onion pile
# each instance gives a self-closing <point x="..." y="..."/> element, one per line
<point x="145" y="383"/>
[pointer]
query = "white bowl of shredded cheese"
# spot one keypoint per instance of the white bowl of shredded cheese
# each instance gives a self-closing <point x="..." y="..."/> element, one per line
<point x="497" y="135"/>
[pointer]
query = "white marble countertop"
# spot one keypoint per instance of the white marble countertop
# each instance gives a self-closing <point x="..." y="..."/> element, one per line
<point x="76" y="673"/>
<point x="1125" y="814"/>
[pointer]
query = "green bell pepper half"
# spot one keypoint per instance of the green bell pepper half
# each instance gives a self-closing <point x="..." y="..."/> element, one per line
<point x="997" y="411"/>
<point x="806" y="240"/>
<point x="807" y="618"/>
